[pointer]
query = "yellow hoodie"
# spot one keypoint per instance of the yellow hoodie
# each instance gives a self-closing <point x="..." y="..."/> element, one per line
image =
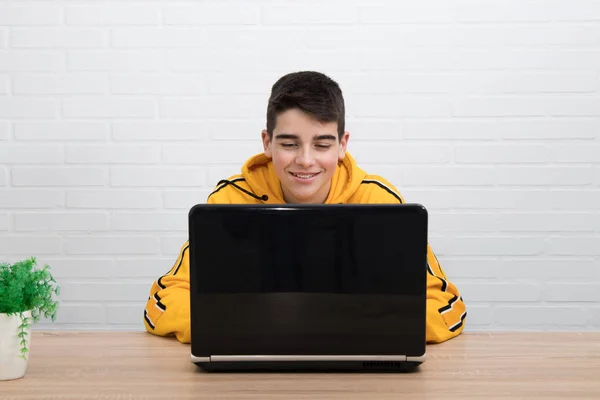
<point x="168" y="309"/>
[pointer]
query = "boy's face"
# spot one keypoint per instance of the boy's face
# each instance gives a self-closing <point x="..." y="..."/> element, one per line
<point x="305" y="153"/>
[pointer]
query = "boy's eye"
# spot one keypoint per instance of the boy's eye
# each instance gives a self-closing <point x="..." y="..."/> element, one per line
<point x="288" y="145"/>
<point x="323" y="146"/>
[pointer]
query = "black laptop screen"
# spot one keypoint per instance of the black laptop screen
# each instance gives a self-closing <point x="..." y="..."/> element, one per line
<point x="319" y="280"/>
<point x="337" y="249"/>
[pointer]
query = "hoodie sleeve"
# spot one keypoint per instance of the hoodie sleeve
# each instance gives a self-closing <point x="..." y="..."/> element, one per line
<point x="446" y="311"/>
<point x="167" y="311"/>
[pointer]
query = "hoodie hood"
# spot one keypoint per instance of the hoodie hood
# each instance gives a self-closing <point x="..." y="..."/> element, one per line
<point x="260" y="175"/>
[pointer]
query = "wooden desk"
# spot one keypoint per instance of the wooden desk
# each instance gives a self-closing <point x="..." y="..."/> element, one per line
<point x="69" y="365"/>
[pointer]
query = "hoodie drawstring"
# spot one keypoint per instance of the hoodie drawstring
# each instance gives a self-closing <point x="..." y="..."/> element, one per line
<point x="264" y="197"/>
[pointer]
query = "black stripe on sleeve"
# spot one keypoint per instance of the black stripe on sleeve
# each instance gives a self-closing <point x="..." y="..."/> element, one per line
<point x="160" y="284"/>
<point x="158" y="303"/>
<point x="148" y="319"/>
<point x="384" y="187"/>
<point x="225" y="184"/>
<point x="182" y="257"/>
<point x="454" y="328"/>
<point x="449" y="305"/>
<point x="444" y="283"/>
<point x="159" y="281"/>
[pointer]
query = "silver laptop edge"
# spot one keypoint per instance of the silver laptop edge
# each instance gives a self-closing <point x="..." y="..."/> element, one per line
<point x="218" y="358"/>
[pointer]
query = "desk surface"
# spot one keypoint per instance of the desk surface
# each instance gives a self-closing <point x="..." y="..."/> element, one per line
<point x="71" y="365"/>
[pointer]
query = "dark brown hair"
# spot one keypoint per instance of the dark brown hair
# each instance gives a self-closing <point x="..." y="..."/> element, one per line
<point x="311" y="92"/>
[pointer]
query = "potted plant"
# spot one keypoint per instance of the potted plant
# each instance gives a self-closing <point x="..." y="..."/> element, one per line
<point x="25" y="295"/>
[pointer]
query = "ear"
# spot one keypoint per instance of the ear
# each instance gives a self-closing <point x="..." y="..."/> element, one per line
<point x="343" y="145"/>
<point x="267" y="142"/>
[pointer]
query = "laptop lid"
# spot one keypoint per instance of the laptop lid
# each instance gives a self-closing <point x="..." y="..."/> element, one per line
<point x="307" y="282"/>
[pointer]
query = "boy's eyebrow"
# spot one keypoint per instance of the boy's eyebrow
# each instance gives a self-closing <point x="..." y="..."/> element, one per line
<point x="286" y="136"/>
<point x="325" y="137"/>
<point x="295" y="137"/>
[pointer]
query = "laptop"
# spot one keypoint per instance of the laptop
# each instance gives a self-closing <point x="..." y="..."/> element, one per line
<point x="318" y="287"/>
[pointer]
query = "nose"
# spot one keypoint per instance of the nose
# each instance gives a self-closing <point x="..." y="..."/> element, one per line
<point x="305" y="158"/>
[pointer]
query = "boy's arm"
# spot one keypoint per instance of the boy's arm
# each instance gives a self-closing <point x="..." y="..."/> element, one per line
<point x="167" y="311"/>
<point x="446" y="311"/>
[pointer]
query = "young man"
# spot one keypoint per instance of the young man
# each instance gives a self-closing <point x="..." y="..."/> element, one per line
<point x="304" y="161"/>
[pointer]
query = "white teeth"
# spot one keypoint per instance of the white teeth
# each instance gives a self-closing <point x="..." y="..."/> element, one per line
<point x="304" y="176"/>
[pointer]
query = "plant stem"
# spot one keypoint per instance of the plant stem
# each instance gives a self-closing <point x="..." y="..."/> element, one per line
<point x="23" y="327"/>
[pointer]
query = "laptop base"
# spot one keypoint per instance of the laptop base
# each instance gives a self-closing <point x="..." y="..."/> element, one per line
<point x="310" y="366"/>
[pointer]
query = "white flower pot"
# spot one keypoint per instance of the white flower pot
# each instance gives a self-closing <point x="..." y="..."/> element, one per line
<point x="12" y="365"/>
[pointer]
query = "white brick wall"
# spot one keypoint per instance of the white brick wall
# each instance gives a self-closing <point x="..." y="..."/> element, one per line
<point x="84" y="83"/>
<point x="68" y="131"/>
<point x="60" y="221"/>
<point x="3" y="176"/>
<point x="16" y="15"/>
<point x="13" y="107"/>
<point x="4" y="89"/>
<point x="112" y="15"/>
<point x="4" y="130"/>
<point x="31" y="60"/>
<point x="3" y="222"/>
<point x="117" y="116"/>
<point x="58" y="38"/>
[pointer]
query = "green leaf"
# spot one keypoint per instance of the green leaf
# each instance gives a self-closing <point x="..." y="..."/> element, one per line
<point x="25" y="287"/>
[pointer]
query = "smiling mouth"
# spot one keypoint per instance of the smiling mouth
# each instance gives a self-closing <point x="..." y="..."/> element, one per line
<point x="305" y="176"/>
